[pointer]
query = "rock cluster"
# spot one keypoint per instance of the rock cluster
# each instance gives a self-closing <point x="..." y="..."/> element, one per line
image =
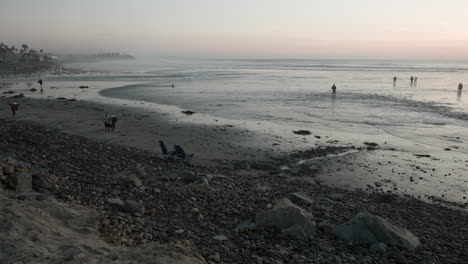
<point x="142" y="200"/>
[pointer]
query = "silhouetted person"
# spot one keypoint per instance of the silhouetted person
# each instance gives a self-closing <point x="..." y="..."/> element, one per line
<point x="14" y="107"/>
<point x="333" y="89"/>
<point x="173" y="86"/>
<point x="40" y="83"/>
<point x="394" y="79"/>
<point x="460" y="87"/>
<point x="415" y="79"/>
<point x="412" y="80"/>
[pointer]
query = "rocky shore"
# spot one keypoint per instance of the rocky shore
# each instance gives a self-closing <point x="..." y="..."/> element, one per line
<point x="232" y="214"/>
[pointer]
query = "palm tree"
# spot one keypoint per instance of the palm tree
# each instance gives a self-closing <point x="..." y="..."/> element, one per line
<point x="24" y="48"/>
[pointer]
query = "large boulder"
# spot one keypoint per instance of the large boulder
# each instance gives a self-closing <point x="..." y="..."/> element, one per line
<point x="292" y="219"/>
<point x="366" y="228"/>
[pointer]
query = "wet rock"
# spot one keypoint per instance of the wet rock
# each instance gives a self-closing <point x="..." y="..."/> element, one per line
<point x="188" y="112"/>
<point x="33" y="89"/>
<point x="246" y="225"/>
<point x="286" y="214"/>
<point x="115" y="202"/>
<point x="134" y="208"/>
<point x="220" y="238"/>
<point x="84" y="86"/>
<point x="371" y="144"/>
<point x="299" y="197"/>
<point x="365" y="228"/>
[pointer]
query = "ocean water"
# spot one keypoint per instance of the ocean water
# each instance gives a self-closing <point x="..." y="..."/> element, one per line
<point x="426" y="117"/>
<point x="297" y="93"/>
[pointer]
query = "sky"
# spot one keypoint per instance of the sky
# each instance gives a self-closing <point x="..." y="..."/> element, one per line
<point x="322" y="29"/>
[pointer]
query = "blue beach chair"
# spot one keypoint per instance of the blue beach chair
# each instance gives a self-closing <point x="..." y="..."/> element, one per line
<point x="178" y="152"/>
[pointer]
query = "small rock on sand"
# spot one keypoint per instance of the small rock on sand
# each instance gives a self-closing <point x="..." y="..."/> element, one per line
<point x="302" y="132"/>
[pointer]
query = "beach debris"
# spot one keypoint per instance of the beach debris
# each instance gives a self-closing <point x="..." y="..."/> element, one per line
<point x="84" y="87"/>
<point x="188" y="112"/>
<point x="292" y="219"/>
<point x="366" y="228"/>
<point x="371" y="144"/>
<point x="302" y="132"/>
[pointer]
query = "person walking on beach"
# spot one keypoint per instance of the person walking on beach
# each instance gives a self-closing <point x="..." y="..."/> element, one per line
<point x="333" y="89"/>
<point x="40" y="83"/>
<point x="107" y="122"/>
<point x="394" y="81"/>
<point x="412" y="80"/>
<point x="460" y="87"/>
<point x="14" y="107"/>
<point x="113" y="121"/>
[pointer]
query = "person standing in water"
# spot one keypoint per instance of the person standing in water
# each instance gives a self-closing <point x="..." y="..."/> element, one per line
<point x="333" y="89"/>
<point x="14" y="107"/>
<point x="412" y="80"/>
<point x="394" y="80"/>
<point x="460" y="87"/>
<point x="40" y="83"/>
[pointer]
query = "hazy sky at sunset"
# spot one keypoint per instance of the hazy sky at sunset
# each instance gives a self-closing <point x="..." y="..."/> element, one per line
<point x="412" y="29"/>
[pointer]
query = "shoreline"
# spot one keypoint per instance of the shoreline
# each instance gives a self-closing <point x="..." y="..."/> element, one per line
<point x="200" y="214"/>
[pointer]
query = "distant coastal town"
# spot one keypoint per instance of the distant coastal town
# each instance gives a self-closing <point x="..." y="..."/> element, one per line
<point x="25" y="60"/>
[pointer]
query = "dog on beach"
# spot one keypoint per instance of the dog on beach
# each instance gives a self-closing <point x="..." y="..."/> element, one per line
<point x="107" y="126"/>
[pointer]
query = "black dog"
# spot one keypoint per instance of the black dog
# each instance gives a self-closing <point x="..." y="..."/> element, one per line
<point x="107" y="126"/>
